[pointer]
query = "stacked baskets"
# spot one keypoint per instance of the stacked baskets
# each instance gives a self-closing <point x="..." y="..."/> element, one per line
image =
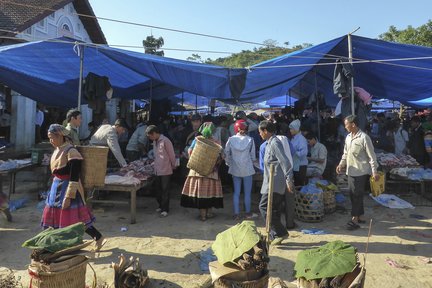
<point x="204" y="156"/>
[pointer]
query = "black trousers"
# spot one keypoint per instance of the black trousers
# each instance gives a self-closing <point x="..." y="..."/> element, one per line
<point x="300" y="176"/>
<point x="277" y="229"/>
<point x="357" y="186"/>
<point x="289" y="209"/>
<point x="93" y="232"/>
<point x="162" y="193"/>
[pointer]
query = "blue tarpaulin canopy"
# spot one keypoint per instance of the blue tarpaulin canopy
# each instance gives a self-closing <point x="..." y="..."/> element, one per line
<point x="299" y="73"/>
<point x="48" y="72"/>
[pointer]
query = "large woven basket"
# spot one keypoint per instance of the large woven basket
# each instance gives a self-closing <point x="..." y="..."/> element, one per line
<point x="309" y="207"/>
<point x="329" y="201"/>
<point x="226" y="283"/>
<point x="93" y="168"/>
<point x="73" y="277"/>
<point x="204" y="156"/>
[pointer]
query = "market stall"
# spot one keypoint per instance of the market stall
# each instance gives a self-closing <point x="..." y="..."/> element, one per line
<point x="10" y="168"/>
<point x="406" y="178"/>
<point x="135" y="176"/>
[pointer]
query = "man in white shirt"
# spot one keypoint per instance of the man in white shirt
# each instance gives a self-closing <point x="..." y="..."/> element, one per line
<point x="359" y="161"/>
<point x="38" y="123"/>
<point x="318" y="159"/>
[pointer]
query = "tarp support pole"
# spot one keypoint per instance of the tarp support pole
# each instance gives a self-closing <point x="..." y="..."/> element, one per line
<point x="196" y="103"/>
<point x="80" y="82"/>
<point x="182" y="104"/>
<point x="352" y="78"/>
<point x="151" y="100"/>
<point x="317" y="106"/>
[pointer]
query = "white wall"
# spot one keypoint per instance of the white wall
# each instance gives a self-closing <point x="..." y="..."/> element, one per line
<point x="63" y="22"/>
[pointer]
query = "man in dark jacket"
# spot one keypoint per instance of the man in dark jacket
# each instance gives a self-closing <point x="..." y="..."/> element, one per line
<point x="416" y="143"/>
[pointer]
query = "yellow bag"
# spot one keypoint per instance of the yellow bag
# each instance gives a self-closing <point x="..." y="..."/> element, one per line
<point x="377" y="187"/>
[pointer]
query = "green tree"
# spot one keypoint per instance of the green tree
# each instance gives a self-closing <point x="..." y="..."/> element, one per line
<point x="248" y="58"/>
<point x="417" y="36"/>
<point x="195" y="58"/>
<point x="153" y="45"/>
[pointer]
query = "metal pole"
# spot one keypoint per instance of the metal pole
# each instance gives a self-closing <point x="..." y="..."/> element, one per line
<point x="81" y="54"/>
<point x="317" y="106"/>
<point x="151" y="100"/>
<point x="269" y="204"/>
<point x="196" y="103"/>
<point x="182" y="104"/>
<point x="352" y="78"/>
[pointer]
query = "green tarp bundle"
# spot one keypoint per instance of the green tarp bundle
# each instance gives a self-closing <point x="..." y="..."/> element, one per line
<point x="54" y="240"/>
<point x="233" y="242"/>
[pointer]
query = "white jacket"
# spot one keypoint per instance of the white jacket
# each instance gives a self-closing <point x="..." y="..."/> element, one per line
<point x="239" y="155"/>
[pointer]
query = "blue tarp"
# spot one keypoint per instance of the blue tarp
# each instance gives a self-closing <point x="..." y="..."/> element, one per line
<point x="294" y="73"/>
<point x="48" y="72"/>
<point x="281" y="101"/>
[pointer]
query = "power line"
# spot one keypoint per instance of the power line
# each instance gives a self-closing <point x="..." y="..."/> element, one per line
<point x="138" y="24"/>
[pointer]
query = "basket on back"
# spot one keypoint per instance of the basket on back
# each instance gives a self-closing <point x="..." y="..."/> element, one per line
<point x="93" y="168"/>
<point x="204" y="156"/>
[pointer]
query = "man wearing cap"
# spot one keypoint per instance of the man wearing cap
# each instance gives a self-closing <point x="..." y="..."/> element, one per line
<point x="300" y="152"/>
<point x="107" y="135"/>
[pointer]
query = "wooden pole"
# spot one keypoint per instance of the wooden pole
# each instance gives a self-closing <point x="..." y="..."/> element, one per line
<point x="269" y="204"/>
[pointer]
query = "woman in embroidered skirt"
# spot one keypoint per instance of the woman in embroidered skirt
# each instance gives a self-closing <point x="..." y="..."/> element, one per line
<point x="65" y="202"/>
<point x="203" y="192"/>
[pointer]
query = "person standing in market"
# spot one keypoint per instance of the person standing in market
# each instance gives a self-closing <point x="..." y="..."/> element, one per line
<point x="416" y="143"/>
<point x="137" y="144"/>
<point x="300" y="152"/>
<point x="400" y="138"/>
<point x="107" y="135"/>
<point x="359" y="162"/>
<point x="283" y="179"/>
<point x="203" y="191"/>
<point x="239" y="157"/>
<point x="40" y="117"/>
<point x="164" y="164"/>
<point x="73" y="118"/>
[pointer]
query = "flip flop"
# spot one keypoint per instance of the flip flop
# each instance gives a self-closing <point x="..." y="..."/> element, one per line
<point x="361" y="221"/>
<point x="210" y="215"/>
<point x="352" y="226"/>
<point x="99" y="245"/>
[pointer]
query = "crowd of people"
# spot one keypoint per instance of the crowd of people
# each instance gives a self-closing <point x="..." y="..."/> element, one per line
<point x="298" y="148"/>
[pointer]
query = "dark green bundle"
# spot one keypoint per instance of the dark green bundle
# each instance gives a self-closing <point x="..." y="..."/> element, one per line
<point x="54" y="240"/>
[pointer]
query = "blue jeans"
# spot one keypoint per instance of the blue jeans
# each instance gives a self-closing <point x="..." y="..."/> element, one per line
<point x="247" y="188"/>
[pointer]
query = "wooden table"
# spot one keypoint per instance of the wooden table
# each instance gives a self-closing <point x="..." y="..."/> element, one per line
<point x="12" y="176"/>
<point x="132" y="189"/>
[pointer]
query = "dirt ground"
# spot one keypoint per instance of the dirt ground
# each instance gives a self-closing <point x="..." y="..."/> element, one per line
<point x="169" y="247"/>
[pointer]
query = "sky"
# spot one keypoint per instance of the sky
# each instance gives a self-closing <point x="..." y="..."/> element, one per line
<point x="296" y="22"/>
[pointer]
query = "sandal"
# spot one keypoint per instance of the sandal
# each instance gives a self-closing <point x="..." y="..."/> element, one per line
<point x="99" y="244"/>
<point x="361" y="221"/>
<point x="352" y="226"/>
<point x="210" y="215"/>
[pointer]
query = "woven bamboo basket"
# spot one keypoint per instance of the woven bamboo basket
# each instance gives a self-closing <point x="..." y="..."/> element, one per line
<point x="309" y="207"/>
<point x="73" y="277"/>
<point x="329" y="201"/>
<point x="226" y="283"/>
<point x="93" y="168"/>
<point x="204" y="156"/>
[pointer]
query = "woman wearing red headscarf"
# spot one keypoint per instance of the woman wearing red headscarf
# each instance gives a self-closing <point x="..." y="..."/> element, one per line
<point x="239" y="156"/>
